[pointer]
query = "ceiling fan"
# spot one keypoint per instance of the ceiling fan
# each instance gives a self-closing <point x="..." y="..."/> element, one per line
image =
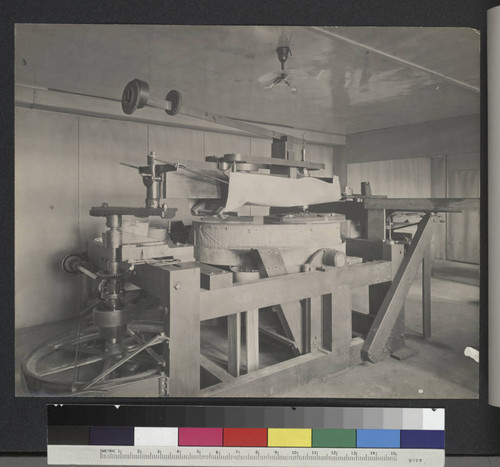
<point x="282" y="77"/>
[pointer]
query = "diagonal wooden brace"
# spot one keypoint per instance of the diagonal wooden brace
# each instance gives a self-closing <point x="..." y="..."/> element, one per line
<point x="271" y="264"/>
<point x="389" y="310"/>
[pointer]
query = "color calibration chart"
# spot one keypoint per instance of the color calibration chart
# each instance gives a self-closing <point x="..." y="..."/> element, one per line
<point x="244" y="436"/>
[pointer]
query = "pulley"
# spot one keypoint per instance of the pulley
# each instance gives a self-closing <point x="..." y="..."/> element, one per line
<point x="136" y="96"/>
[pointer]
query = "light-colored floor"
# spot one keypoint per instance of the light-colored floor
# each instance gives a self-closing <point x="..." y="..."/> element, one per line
<point x="439" y="370"/>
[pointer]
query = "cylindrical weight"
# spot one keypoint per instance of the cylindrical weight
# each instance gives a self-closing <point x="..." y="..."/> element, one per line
<point x="135" y="96"/>
<point x="175" y="99"/>
<point x="334" y="258"/>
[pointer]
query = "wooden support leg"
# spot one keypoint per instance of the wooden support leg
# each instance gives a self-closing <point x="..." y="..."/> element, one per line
<point x="377" y="293"/>
<point x="252" y="340"/>
<point x="337" y="323"/>
<point x="315" y="307"/>
<point x="327" y="322"/>
<point x="386" y="317"/>
<point x="234" y="344"/>
<point x="342" y="324"/>
<point x="183" y="303"/>
<point x="426" y="294"/>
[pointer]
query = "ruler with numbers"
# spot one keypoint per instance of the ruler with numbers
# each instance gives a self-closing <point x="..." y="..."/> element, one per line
<point x="242" y="457"/>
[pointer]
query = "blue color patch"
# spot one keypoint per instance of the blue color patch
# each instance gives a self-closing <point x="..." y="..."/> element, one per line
<point x="422" y="439"/>
<point x="111" y="435"/>
<point x="378" y="438"/>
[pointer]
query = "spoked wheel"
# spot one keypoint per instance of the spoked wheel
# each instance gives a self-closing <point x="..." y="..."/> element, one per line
<point x="51" y="368"/>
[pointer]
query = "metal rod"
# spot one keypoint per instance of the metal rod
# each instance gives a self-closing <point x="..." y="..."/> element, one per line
<point x="219" y="119"/>
<point x="178" y="165"/>
<point x="151" y="352"/>
<point x="70" y="366"/>
<point x="92" y="96"/>
<point x="87" y="272"/>
<point x="334" y="35"/>
<point x="155" y="340"/>
<point x="129" y="165"/>
<point x="189" y="112"/>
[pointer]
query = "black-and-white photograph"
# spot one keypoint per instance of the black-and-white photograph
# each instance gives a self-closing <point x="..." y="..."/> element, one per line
<point x="247" y="211"/>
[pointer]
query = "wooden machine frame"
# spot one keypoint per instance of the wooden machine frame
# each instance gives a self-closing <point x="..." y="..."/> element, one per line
<point x="324" y="294"/>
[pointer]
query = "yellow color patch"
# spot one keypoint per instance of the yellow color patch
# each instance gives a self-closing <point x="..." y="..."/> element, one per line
<point x="289" y="437"/>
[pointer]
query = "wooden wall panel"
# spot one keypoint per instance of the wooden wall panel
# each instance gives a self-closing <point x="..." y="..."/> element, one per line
<point x="67" y="164"/>
<point x="46" y="216"/>
<point x="456" y="135"/>
<point x="438" y="190"/>
<point x="339" y="165"/>
<point x="260" y="147"/>
<point x="103" y="144"/>
<point x="463" y="228"/>
<point x="403" y="178"/>
<point x="172" y="143"/>
<point x="323" y="154"/>
<point x="218" y="144"/>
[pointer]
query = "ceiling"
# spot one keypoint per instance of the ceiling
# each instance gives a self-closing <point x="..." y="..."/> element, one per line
<point x="396" y="76"/>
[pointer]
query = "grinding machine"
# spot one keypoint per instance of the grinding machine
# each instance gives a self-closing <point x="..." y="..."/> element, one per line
<point x="270" y="259"/>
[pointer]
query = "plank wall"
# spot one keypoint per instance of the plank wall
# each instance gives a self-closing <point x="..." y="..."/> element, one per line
<point x="64" y="164"/>
<point x="388" y="159"/>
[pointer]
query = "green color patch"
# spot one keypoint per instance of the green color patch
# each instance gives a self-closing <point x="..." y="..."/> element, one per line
<point x="333" y="438"/>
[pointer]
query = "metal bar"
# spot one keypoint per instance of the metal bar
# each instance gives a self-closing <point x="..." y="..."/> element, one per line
<point x="423" y="204"/>
<point x="103" y="211"/>
<point x="269" y="332"/>
<point x="275" y="290"/>
<point x="213" y="118"/>
<point x="150" y="351"/>
<point x="87" y="272"/>
<point x="319" y="137"/>
<point x="130" y="165"/>
<point x="266" y="161"/>
<point x="231" y="122"/>
<point x="426" y="294"/>
<point x="391" y="306"/>
<point x="155" y="340"/>
<point x="178" y="165"/>
<point x="70" y="366"/>
<point x="62" y="91"/>
<point x="331" y="34"/>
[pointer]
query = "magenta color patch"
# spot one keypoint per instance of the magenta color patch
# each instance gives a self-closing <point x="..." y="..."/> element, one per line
<point x="200" y="436"/>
